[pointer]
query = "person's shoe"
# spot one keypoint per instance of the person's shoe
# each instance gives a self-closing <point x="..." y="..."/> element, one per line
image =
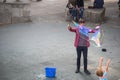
<point x="77" y="71"/>
<point x="87" y="72"/>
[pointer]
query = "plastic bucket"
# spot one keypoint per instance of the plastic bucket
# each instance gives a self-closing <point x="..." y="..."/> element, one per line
<point x="50" y="72"/>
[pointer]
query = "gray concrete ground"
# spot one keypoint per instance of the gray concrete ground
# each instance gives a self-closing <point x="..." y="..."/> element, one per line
<point x="27" y="48"/>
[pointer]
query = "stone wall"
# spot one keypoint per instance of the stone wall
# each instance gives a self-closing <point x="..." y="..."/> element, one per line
<point x="94" y="15"/>
<point x="15" y="12"/>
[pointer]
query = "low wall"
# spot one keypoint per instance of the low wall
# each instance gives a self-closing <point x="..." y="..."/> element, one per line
<point x="94" y="15"/>
<point x="16" y="12"/>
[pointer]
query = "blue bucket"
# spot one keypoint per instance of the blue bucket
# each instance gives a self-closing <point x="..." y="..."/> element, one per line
<point x="50" y="72"/>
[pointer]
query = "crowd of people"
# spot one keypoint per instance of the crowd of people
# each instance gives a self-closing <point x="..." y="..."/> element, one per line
<point x="77" y="9"/>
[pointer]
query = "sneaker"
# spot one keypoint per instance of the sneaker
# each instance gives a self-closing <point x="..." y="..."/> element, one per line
<point x="87" y="72"/>
<point x="77" y="71"/>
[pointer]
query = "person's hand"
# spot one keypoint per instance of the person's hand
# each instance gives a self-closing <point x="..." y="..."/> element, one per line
<point x="108" y="61"/>
<point x="69" y="26"/>
<point x="97" y="27"/>
<point x="101" y="59"/>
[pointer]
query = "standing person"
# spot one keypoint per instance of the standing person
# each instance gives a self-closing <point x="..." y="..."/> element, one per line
<point x="81" y="43"/>
<point x="102" y="73"/>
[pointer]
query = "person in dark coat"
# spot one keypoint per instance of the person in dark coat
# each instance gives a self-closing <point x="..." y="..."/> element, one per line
<point x="98" y="3"/>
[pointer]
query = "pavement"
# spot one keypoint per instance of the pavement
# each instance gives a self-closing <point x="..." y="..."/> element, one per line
<point x="27" y="48"/>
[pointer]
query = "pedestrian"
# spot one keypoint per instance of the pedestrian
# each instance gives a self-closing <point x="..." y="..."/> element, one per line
<point x="102" y="73"/>
<point x="81" y="43"/>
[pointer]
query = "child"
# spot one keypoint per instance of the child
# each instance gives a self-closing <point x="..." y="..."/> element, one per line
<point x="101" y="73"/>
<point x="81" y="43"/>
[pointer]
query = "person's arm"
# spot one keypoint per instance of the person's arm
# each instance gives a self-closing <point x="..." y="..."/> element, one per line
<point x="68" y="5"/>
<point x="71" y="29"/>
<point x="95" y="29"/>
<point x="107" y="64"/>
<point x="91" y="30"/>
<point x="100" y="62"/>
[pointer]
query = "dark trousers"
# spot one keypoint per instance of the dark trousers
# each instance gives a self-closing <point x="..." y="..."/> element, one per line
<point x="77" y="14"/>
<point x="80" y="50"/>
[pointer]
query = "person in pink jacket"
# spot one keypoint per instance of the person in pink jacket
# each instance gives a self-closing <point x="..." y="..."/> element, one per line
<point x="81" y="43"/>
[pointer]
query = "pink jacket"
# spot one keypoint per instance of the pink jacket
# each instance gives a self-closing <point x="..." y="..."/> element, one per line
<point x="76" y="30"/>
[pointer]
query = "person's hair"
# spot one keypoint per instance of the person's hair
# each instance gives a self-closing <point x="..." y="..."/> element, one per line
<point x="81" y="21"/>
<point x="99" y="72"/>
